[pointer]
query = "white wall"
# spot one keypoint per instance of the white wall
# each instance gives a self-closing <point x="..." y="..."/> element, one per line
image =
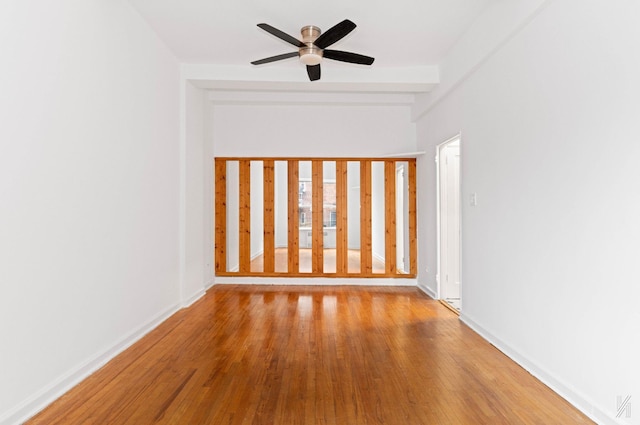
<point x="311" y="130"/>
<point x="281" y="204"/>
<point x="257" y="204"/>
<point x="233" y="220"/>
<point x="378" y="222"/>
<point x="89" y="192"/>
<point x="196" y="233"/>
<point x="353" y="204"/>
<point x="549" y="143"/>
<point x="499" y="22"/>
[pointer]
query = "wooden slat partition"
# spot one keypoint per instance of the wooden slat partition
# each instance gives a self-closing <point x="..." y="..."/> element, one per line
<point x="293" y="243"/>
<point x="269" y="261"/>
<point x="317" y="254"/>
<point x="245" y="216"/>
<point x="366" y="260"/>
<point x="342" y="247"/>
<point x="221" y="216"/>
<point x="413" y="220"/>
<point x="390" y="240"/>
<point x="268" y="209"/>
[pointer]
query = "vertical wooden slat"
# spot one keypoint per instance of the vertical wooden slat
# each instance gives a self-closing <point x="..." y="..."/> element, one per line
<point x="390" y="240"/>
<point x="245" y="216"/>
<point x="293" y="243"/>
<point x="365" y="218"/>
<point x="413" y="219"/>
<point x="317" y="254"/>
<point x="342" y="247"/>
<point x="221" y="215"/>
<point x="268" y="210"/>
<point x="269" y="255"/>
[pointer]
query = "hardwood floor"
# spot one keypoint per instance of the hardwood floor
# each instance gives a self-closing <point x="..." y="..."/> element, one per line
<point x="329" y="261"/>
<point x="311" y="355"/>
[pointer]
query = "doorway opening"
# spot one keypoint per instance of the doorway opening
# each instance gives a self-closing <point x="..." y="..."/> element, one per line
<point x="448" y="277"/>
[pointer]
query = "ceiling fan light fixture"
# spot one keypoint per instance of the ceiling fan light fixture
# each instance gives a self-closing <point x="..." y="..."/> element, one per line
<point x="310" y="59"/>
<point x="310" y="55"/>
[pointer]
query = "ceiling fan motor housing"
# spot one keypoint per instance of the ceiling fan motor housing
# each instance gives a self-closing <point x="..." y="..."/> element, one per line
<point x="310" y="54"/>
<point x="310" y="33"/>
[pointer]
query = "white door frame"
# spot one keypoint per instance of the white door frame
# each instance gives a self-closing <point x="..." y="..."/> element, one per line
<point x="456" y="138"/>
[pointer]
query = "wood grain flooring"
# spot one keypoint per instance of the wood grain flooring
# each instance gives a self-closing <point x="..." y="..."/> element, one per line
<point x="305" y="261"/>
<point x="311" y="355"/>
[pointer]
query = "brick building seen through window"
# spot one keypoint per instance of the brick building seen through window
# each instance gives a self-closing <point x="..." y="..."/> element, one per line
<point x="328" y="204"/>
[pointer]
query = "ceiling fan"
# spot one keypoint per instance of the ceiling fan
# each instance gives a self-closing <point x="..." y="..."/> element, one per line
<point x="313" y="47"/>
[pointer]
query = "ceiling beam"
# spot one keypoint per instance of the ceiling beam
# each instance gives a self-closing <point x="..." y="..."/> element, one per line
<point x="339" y="78"/>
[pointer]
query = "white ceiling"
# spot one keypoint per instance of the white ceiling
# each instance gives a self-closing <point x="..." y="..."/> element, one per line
<point x="400" y="34"/>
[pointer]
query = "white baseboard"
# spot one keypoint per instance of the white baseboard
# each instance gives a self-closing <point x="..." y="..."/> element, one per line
<point x="564" y="390"/>
<point x="209" y="284"/>
<point x="427" y="291"/>
<point x="73" y="377"/>
<point x="195" y="297"/>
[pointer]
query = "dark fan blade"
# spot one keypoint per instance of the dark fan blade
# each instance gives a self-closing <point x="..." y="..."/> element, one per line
<point x="281" y="35"/>
<point x="275" y="58"/>
<point x="334" y="34"/>
<point x="314" y="72"/>
<point x="339" y="55"/>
